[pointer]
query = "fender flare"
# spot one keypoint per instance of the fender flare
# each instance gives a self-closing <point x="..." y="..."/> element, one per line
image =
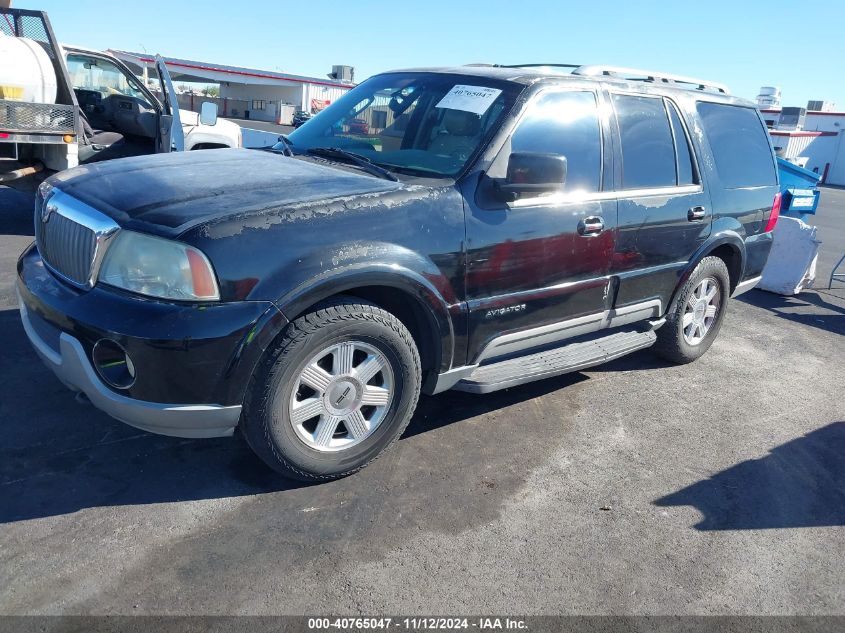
<point x="197" y="138"/>
<point x="439" y="314"/>
<point x="729" y="237"/>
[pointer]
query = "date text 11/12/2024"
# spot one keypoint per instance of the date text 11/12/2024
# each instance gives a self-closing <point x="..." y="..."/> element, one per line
<point x="417" y="623"/>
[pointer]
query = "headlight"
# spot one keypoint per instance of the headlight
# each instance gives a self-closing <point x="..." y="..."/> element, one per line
<point x="158" y="267"/>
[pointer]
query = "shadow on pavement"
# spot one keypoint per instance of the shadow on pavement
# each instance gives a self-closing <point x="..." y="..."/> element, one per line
<point x="798" y="484"/>
<point x="823" y="309"/>
<point x="58" y="456"/>
<point x="16" y="212"/>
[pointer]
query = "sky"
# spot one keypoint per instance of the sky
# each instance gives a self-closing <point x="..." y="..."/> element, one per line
<point x="799" y="47"/>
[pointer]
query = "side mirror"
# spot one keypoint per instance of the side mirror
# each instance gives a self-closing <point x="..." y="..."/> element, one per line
<point x="533" y="173"/>
<point x="208" y="113"/>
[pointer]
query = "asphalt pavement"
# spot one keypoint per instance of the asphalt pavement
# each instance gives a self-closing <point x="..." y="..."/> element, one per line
<point x="633" y="488"/>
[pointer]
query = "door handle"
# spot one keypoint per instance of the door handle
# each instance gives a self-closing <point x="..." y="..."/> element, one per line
<point x="695" y="214"/>
<point x="591" y="226"/>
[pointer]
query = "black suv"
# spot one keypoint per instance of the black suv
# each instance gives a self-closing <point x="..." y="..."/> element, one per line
<point x="300" y="117"/>
<point x="489" y="226"/>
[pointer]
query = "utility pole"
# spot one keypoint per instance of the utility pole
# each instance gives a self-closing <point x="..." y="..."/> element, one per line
<point x="5" y="4"/>
<point x="146" y="73"/>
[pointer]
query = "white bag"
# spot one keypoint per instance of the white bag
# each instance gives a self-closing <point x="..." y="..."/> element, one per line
<point x="792" y="262"/>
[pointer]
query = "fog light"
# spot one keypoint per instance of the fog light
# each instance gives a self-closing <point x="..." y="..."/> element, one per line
<point x="113" y="364"/>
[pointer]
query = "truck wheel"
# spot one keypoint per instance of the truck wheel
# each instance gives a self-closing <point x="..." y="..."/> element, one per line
<point x="692" y="325"/>
<point x="336" y="390"/>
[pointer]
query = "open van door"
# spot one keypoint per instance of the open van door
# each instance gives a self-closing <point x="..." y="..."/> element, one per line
<point x="171" y="137"/>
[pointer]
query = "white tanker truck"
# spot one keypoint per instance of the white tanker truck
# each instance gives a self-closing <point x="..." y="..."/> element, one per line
<point x="40" y="124"/>
<point x="65" y="106"/>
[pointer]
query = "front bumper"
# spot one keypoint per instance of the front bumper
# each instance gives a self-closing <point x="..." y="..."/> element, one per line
<point x="193" y="362"/>
<point x="70" y="363"/>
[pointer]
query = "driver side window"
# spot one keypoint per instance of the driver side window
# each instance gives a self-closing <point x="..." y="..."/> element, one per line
<point x="566" y="124"/>
<point x="100" y="75"/>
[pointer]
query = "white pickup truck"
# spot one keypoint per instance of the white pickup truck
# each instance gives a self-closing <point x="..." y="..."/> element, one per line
<point x="61" y="106"/>
<point x="114" y="101"/>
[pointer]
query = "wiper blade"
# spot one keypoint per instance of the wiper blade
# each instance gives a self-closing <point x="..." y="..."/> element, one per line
<point x="288" y="144"/>
<point x="417" y="171"/>
<point x="286" y="148"/>
<point x="356" y="159"/>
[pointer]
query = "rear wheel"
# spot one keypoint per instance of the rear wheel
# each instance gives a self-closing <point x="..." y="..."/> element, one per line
<point x="337" y="389"/>
<point x="699" y="310"/>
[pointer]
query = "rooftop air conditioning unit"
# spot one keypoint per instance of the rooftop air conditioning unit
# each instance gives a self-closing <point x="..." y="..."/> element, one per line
<point x="821" y="106"/>
<point x="792" y="118"/>
<point x="769" y="97"/>
<point x="343" y="73"/>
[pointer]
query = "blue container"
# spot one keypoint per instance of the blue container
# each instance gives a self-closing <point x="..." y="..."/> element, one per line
<point x="798" y="188"/>
<point x="797" y="201"/>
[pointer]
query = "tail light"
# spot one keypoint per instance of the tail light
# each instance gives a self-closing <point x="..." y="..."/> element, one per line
<point x="774" y="214"/>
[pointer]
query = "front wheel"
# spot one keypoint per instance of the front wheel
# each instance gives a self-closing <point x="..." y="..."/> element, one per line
<point x="335" y="391"/>
<point x="692" y="326"/>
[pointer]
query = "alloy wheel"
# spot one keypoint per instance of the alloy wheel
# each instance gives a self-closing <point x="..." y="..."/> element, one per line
<point x="701" y="310"/>
<point x="341" y="396"/>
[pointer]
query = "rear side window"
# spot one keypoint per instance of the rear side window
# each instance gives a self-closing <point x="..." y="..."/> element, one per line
<point x="565" y="123"/>
<point x="740" y="145"/>
<point x="686" y="175"/>
<point x="648" y="153"/>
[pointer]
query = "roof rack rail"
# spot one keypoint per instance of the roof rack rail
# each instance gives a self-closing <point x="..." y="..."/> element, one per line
<point x="539" y="65"/>
<point x="638" y="74"/>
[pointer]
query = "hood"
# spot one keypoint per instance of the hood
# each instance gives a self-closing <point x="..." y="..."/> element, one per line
<point x="169" y="193"/>
<point x="189" y="117"/>
<point x="224" y="132"/>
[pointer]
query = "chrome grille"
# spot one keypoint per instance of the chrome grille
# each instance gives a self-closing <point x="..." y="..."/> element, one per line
<point x="67" y="247"/>
<point x="69" y="239"/>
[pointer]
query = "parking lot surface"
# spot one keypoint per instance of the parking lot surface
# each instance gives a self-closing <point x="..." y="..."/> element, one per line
<point x="632" y="488"/>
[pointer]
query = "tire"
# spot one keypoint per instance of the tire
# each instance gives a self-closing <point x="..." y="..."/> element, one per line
<point x="680" y="343"/>
<point x="347" y="339"/>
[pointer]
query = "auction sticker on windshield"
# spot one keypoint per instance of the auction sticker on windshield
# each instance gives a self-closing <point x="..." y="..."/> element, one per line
<point x="475" y="99"/>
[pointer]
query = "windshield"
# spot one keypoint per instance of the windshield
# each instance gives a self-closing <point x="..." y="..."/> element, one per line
<point x="420" y="123"/>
